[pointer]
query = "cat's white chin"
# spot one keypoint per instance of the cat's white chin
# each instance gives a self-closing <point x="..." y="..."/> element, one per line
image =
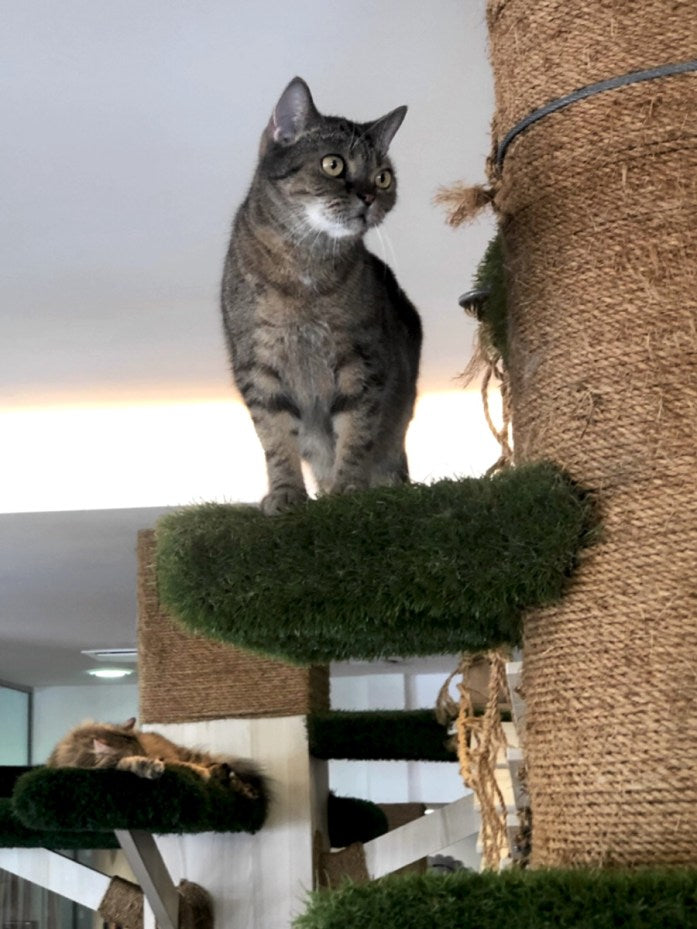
<point x="319" y="221"/>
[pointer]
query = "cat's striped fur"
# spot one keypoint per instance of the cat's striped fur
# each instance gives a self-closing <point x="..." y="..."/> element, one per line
<point x="323" y="342"/>
<point x="108" y="745"/>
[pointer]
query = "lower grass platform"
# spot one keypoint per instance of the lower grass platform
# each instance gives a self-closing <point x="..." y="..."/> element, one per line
<point x="640" y="899"/>
<point x="68" y="808"/>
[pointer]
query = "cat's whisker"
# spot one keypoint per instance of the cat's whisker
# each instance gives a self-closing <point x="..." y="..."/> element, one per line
<point x="393" y="261"/>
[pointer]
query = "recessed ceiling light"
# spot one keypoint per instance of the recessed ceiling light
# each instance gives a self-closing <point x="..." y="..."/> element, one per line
<point x="112" y="673"/>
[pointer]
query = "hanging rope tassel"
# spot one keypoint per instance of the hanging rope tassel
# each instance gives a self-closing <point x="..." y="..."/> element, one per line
<point x="478" y="740"/>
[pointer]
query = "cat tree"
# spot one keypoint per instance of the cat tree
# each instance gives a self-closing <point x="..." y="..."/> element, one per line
<point x="593" y="179"/>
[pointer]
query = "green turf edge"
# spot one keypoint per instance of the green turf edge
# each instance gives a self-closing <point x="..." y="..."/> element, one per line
<point x="14" y="834"/>
<point x="381" y="735"/>
<point x="580" y="899"/>
<point x="353" y="820"/>
<point x="78" y="808"/>
<point x="378" y="735"/>
<point x="71" y="799"/>
<point x="493" y="315"/>
<point x="414" y="570"/>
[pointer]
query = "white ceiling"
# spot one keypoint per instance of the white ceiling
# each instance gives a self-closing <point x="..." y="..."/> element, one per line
<point x="129" y="136"/>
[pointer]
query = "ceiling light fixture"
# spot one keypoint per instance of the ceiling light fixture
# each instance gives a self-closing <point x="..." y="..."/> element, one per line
<point x="110" y="673"/>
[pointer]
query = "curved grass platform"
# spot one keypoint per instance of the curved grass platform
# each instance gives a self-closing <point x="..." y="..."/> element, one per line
<point x="68" y="808"/>
<point x="413" y="570"/>
<point x="74" y="799"/>
<point x="514" y="899"/>
<point x="14" y="834"/>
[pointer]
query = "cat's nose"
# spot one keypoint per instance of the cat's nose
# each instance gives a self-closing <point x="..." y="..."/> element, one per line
<point x="367" y="196"/>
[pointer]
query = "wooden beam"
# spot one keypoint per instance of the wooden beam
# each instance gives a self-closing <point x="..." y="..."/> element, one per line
<point x="61" y="875"/>
<point x="151" y="873"/>
<point x="421" y="837"/>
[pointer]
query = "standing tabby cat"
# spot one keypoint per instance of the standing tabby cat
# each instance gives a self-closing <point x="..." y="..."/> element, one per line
<point x="323" y="342"/>
<point x="104" y="745"/>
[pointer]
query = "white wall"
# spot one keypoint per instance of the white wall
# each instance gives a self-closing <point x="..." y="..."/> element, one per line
<point x="58" y="709"/>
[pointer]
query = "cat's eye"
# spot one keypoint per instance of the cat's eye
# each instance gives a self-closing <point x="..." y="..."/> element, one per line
<point x="383" y="179"/>
<point x="333" y="165"/>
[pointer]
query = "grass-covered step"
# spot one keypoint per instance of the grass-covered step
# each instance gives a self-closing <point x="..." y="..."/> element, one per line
<point x="14" y="834"/>
<point x="80" y="808"/>
<point x="76" y="799"/>
<point x="514" y="900"/>
<point x="379" y="735"/>
<point x="413" y="570"/>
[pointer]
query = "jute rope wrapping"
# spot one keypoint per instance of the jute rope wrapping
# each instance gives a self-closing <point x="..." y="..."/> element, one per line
<point x="478" y="739"/>
<point x="184" y="677"/>
<point x="122" y="905"/>
<point x="598" y="205"/>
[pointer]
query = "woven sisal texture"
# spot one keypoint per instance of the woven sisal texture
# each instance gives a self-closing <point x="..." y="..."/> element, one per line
<point x="598" y="204"/>
<point x="122" y="904"/>
<point x="184" y="677"/>
<point x="335" y="868"/>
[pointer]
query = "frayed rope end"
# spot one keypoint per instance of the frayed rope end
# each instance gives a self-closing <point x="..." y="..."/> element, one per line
<point x="463" y="203"/>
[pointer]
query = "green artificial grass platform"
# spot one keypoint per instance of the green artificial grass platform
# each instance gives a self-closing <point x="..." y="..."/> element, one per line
<point x="69" y="808"/>
<point x="379" y="735"/>
<point x="14" y="834"/>
<point x="493" y="313"/>
<point x="413" y="570"/>
<point x="513" y="900"/>
<point x="352" y="820"/>
<point x="77" y="799"/>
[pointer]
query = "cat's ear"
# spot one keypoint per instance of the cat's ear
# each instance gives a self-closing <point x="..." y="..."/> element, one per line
<point x="383" y="130"/>
<point x="292" y="114"/>
<point x="101" y="748"/>
<point x="130" y="723"/>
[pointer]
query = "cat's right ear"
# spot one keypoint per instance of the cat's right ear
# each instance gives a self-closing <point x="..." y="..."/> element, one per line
<point x="292" y="114"/>
<point x="130" y="723"/>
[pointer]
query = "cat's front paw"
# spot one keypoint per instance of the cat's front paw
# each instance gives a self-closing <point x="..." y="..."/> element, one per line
<point x="349" y="486"/>
<point x="283" y="500"/>
<point x="155" y="769"/>
<point x="150" y="768"/>
<point x="242" y="786"/>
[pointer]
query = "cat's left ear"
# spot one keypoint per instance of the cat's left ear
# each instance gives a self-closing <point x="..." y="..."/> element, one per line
<point x="101" y="748"/>
<point x="383" y="130"/>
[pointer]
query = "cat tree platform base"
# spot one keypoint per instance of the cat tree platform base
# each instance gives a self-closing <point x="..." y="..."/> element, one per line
<point x="413" y="570"/>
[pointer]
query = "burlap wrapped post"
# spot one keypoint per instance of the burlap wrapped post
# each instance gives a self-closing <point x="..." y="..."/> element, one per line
<point x="122" y="905"/>
<point x="598" y="204"/>
<point x="185" y="678"/>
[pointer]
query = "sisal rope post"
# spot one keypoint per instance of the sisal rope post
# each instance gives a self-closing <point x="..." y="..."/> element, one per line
<point x="185" y="677"/>
<point x="122" y="905"/>
<point x="598" y="209"/>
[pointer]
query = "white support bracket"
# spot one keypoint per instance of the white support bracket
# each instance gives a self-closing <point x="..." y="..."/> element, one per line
<point x="55" y="872"/>
<point x="421" y="837"/>
<point x="144" y="857"/>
